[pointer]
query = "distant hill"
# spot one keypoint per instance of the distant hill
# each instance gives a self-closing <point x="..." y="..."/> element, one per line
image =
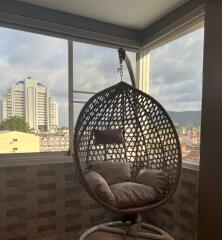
<point x="186" y="117"/>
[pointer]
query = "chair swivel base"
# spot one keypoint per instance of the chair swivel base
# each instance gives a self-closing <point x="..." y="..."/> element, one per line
<point x="139" y="230"/>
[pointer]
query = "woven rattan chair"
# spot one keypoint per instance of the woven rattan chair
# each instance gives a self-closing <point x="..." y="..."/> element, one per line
<point x="150" y="138"/>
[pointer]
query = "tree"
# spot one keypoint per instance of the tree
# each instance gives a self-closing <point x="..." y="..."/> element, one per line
<point x="63" y="128"/>
<point x="15" y="123"/>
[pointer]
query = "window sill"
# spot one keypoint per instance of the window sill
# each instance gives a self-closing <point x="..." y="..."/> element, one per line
<point x="27" y="159"/>
<point x="191" y="165"/>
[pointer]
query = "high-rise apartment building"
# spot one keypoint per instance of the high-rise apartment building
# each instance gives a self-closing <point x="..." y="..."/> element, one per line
<point x="31" y="100"/>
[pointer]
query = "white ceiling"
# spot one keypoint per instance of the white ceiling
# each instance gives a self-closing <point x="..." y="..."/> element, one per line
<point x="136" y="14"/>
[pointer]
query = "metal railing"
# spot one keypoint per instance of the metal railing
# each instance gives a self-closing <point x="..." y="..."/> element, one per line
<point x="82" y="92"/>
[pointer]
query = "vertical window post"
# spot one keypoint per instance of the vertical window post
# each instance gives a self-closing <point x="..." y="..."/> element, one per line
<point x="70" y="77"/>
<point x="143" y="70"/>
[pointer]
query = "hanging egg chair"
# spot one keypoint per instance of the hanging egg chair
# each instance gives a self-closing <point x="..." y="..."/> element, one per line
<point x="126" y="149"/>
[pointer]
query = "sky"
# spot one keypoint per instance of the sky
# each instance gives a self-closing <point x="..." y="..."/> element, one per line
<point x="176" y="73"/>
<point x="175" y="76"/>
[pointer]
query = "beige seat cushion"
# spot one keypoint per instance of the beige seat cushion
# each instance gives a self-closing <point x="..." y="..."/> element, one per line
<point x="130" y="194"/>
<point x="154" y="178"/>
<point x="113" y="172"/>
<point x="99" y="186"/>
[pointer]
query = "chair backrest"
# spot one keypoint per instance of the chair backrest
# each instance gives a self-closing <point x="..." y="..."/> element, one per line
<point x="149" y="141"/>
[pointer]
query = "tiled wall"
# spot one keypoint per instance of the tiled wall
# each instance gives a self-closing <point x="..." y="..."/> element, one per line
<point x="179" y="215"/>
<point x="46" y="202"/>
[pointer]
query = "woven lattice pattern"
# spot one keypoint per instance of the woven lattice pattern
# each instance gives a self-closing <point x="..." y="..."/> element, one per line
<point x="150" y="138"/>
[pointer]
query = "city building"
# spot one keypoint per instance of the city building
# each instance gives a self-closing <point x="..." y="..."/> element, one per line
<point x="31" y="100"/>
<point x="53" y="114"/>
<point x="57" y="141"/>
<point x="18" y="142"/>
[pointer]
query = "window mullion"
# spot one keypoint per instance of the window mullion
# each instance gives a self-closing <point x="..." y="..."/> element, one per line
<point x="70" y="77"/>
<point x="143" y="70"/>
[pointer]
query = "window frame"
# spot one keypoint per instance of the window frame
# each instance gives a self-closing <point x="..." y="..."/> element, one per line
<point x="33" y="158"/>
<point x="26" y="158"/>
<point x="59" y="31"/>
<point x="145" y="64"/>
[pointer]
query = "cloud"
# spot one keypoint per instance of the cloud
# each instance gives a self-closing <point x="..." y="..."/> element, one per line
<point x="24" y="49"/>
<point x="95" y="67"/>
<point x="8" y="72"/>
<point x="45" y="59"/>
<point x="176" y="72"/>
<point x="175" y="79"/>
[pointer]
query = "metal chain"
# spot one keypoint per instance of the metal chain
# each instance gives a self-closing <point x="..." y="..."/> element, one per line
<point x="120" y="70"/>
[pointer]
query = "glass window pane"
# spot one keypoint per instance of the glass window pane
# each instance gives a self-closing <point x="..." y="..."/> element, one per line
<point x="95" y="68"/>
<point x="176" y="82"/>
<point x="33" y="92"/>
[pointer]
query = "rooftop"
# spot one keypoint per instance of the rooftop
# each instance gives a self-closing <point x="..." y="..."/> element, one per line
<point x="27" y="79"/>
